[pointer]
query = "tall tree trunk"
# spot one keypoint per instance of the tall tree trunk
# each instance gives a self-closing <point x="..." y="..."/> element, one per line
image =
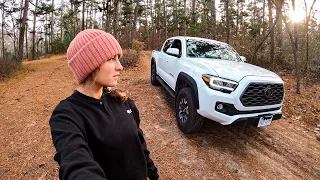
<point x="94" y="18"/>
<point x="61" y="24"/>
<point x="238" y="16"/>
<point x="279" y="29"/>
<point x="2" y="31"/>
<point x="147" y="15"/>
<point x="207" y="21"/>
<point x="214" y="19"/>
<point x="134" y="25"/>
<point x="26" y="32"/>
<point x="152" y="24"/>
<point x="22" y="29"/>
<point x="263" y="19"/>
<point x="87" y="17"/>
<point x="117" y="18"/>
<point x="95" y="22"/>
<point x="83" y="10"/>
<point x="89" y="14"/>
<point x="159" y="22"/>
<point x="107" y="15"/>
<point x="294" y="45"/>
<point x="185" y="17"/>
<point x="227" y="22"/>
<point x="74" y="19"/>
<point x="152" y="17"/>
<point x="193" y="20"/>
<point x="308" y="15"/>
<point x="52" y="27"/>
<point x="37" y="46"/>
<point x="295" y="53"/>
<point x="271" y="34"/>
<point x="33" y="55"/>
<point x="175" y="16"/>
<point x="45" y="35"/>
<point x="255" y="31"/>
<point x="165" y="19"/>
<point x="15" y="39"/>
<point x="21" y="12"/>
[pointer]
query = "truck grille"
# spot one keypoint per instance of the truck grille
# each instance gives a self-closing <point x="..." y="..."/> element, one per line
<point x="259" y="94"/>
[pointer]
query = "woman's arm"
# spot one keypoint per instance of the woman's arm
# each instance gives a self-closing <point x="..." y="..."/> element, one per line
<point x="152" y="169"/>
<point x="73" y="154"/>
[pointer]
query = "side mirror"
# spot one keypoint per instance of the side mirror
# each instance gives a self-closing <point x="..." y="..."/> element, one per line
<point x="243" y="58"/>
<point x="173" y="51"/>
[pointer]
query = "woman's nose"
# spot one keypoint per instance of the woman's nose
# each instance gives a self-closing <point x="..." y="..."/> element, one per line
<point x="119" y="66"/>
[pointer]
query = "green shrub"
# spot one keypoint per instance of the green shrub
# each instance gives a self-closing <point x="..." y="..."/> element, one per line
<point x="59" y="46"/>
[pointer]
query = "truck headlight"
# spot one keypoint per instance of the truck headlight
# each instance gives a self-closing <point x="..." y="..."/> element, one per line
<point x="219" y="84"/>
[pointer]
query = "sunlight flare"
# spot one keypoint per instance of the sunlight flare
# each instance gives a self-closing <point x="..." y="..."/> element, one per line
<point x="297" y="15"/>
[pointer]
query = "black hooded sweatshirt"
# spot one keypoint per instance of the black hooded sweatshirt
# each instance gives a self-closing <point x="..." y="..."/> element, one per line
<point x="100" y="139"/>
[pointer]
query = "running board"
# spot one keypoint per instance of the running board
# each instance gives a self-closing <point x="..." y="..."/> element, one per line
<point x="164" y="84"/>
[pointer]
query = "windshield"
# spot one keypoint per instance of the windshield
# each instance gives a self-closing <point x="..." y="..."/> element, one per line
<point x="207" y="49"/>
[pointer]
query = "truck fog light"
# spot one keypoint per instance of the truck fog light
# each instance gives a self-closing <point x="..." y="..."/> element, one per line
<point x="219" y="107"/>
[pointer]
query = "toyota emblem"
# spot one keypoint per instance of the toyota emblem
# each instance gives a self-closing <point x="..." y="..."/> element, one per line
<point x="268" y="92"/>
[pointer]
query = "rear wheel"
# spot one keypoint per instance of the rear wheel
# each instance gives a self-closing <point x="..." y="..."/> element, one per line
<point x="154" y="80"/>
<point x="188" y="119"/>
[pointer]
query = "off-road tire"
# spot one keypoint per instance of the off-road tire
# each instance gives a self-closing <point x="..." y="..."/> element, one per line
<point x="189" y="121"/>
<point x="153" y="76"/>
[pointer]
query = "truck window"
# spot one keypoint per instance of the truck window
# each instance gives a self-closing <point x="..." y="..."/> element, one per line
<point x="207" y="49"/>
<point x="177" y="44"/>
<point x="167" y="45"/>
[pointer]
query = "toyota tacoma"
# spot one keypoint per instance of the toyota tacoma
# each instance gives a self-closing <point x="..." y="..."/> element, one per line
<point x="209" y="79"/>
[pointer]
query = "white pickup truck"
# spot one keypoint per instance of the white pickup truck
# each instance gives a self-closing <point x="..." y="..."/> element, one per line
<point x="208" y="79"/>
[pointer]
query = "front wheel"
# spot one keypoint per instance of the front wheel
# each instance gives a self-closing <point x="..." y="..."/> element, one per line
<point x="153" y="77"/>
<point x="189" y="121"/>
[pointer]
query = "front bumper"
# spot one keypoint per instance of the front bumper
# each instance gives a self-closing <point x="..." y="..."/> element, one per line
<point x="209" y="98"/>
<point x="254" y="120"/>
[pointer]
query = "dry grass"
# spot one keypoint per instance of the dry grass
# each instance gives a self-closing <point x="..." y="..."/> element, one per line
<point x="7" y="68"/>
<point x="130" y="58"/>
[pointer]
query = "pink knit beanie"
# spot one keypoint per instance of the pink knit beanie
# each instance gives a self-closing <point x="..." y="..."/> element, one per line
<point x="89" y="50"/>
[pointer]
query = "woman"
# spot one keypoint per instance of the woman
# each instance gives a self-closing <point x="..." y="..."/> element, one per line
<point x="96" y="130"/>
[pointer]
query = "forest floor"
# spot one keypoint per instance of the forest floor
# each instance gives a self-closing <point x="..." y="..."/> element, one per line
<point x="288" y="149"/>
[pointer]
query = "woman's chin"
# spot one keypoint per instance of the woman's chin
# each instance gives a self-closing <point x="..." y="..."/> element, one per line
<point x="113" y="84"/>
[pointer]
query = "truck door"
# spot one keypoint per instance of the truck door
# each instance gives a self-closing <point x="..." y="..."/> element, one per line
<point x="162" y="61"/>
<point x="170" y="66"/>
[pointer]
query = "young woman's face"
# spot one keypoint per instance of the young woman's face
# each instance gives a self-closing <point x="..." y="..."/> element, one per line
<point x="109" y="72"/>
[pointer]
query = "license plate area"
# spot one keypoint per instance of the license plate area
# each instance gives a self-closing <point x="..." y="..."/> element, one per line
<point x="265" y="120"/>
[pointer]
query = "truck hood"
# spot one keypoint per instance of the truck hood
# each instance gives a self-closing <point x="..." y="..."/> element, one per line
<point x="234" y="70"/>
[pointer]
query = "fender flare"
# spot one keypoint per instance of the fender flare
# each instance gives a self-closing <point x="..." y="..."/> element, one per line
<point x="191" y="83"/>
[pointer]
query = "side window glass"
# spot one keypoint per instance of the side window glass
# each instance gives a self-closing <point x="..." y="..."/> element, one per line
<point x="177" y="44"/>
<point x="167" y="45"/>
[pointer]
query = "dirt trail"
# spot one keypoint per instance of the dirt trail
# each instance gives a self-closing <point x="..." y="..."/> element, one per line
<point x="285" y="150"/>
